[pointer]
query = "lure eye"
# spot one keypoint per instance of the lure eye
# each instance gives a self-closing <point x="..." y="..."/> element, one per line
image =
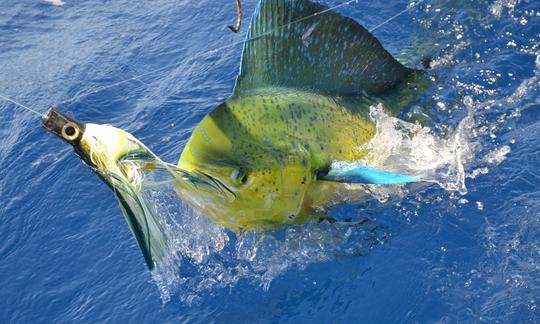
<point x="70" y="132"/>
<point x="239" y="176"/>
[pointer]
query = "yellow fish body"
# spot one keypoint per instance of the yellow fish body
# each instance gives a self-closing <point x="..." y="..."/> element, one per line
<point x="266" y="150"/>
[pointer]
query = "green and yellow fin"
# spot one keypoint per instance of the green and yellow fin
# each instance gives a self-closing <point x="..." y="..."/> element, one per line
<point x="144" y="225"/>
<point x="139" y="174"/>
<point x="304" y="45"/>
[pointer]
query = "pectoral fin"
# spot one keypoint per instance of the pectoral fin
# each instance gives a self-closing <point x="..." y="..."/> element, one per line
<point x="355" y="173"/>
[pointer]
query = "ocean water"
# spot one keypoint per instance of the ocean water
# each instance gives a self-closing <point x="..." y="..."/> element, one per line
<point x="465" y="247"/>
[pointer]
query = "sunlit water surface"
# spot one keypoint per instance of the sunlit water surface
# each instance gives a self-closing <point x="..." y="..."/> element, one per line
<point x="463" y="247"/>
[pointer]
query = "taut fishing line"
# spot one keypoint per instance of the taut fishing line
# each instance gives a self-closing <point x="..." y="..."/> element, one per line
<point x="21" y="105"/>
<point x="171" y="66"/>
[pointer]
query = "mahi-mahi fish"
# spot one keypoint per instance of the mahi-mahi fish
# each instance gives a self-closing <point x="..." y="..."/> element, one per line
<point x="266" y="156"/>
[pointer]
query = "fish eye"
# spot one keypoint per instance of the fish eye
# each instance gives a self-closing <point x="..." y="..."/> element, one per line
<point x="239" y="176"/>
<point x="70" y="132"/>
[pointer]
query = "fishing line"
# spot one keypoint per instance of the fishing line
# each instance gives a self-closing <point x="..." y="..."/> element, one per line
<point x="396" y="15"/>
<point x="18" y="104"/>
<point x="171" y="66"/>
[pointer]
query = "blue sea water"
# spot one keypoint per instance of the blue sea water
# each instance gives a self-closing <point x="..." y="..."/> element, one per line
<point x="466" y="249"/>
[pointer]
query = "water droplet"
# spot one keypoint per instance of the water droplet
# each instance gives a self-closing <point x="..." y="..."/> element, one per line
<point x="479" y="205"/>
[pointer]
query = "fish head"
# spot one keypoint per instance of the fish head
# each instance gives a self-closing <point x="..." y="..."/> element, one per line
<point x="244" y="181"/>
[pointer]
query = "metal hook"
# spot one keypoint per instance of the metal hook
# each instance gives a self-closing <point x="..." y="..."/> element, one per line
<point x="235" y="28"/>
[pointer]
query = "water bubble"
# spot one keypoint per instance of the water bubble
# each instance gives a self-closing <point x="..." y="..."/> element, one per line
<point x="479" y="205"/>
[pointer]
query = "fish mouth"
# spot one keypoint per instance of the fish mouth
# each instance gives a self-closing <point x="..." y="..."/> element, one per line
<point x="203" y="179"/>
<point x="192" y="176"/>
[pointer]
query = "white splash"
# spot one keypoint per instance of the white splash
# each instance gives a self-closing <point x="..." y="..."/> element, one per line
<point x="57" y="3"/>
<point x="497" y="156"/>
<point x="204" y="257"/>
<point x="412" y="149"/>
<point x="497" y="8"/>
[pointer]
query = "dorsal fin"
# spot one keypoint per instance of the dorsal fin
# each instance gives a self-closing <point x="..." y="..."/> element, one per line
<point x="289" y="45"/>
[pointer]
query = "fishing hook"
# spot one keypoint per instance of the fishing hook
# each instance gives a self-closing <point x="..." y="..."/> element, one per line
<point x="236" y="27"/>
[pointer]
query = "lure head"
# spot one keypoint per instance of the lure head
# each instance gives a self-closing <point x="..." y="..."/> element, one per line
<point x="249" y="183"/>
<point x="63" y="126"/>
